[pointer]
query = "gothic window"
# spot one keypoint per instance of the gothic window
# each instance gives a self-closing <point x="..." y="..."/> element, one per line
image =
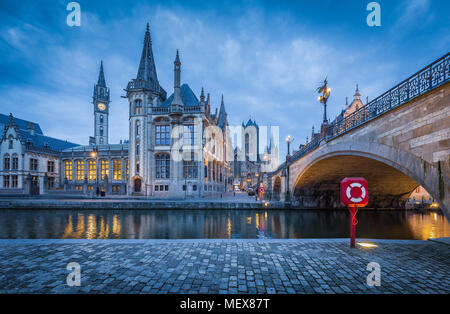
<point x="137" y="166"/>
<point x="138" y="126"/>
<point x="80" y="170"/>
<point x="117" y="169"/>
<point x="6" y="162"/>
<point x="50" y="166"/>
<point x="104" y="169"/>
<point x="15" y="162"/>
<point x="101" y="140"/>
<point x="92" y="170"/>
<point x="138" y="106"/>
<point x="101" y="131"/>
<point x="11" y="142"/>
<point x="162" y="166"/>
<point x="101" y="119"/>
<point x="138" y="149"/>
<point x="162" y="135"/>
<point x="189" y="134"/>
<point x="67" y="169"/>
<point x="34" y="164"/>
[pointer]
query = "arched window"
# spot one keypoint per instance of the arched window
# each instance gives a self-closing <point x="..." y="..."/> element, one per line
<point x="138" y="106"/>
<point x="68" y="169"/>
<point x="101" y="140"/>
<point x="104" y="169"/>
<point x="6" y="162"/>
<point x="117" y="169"/>
<point x="162" y="166"/>
<point x="101" y="119"/>
<point x="138" y="127"/>
<point x="101" y="131"/>
<point x="92" y="170"/>
<point x="80" y="170"/>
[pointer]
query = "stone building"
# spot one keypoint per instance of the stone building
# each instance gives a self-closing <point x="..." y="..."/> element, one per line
<point x="30" y="161"/>
<point x="177" y="147"/>
<point x="250" y="164"/>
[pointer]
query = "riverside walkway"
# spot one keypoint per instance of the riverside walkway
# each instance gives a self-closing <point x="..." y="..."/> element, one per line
<point x="223" y="266"/>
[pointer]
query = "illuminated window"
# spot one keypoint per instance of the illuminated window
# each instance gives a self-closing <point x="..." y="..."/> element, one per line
<point x="127" y="171"/>
<point x="80" y="170"/>
<point x="6" y="162"/>
<point x="68" y="170"/>
<point x="104" y="169"/>
<point x="138" y="106"/>
<point x="162" y="135"/>
<point x="117" y="169"/>
<point x="163" y="166"/>
<point x="92" y="170"/>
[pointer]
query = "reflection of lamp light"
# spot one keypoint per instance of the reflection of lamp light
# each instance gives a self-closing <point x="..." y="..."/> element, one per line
<point x="266" y="204"/>
<point x="367" y="244"/>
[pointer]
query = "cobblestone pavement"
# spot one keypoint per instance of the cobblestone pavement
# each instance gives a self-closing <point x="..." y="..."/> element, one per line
<point x="223" y="266"/>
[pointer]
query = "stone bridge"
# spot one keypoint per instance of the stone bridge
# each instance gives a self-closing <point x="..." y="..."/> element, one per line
<point x="398" y="141"/>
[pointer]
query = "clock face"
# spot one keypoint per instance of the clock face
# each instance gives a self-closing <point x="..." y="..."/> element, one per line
<point x="101" y="106"/>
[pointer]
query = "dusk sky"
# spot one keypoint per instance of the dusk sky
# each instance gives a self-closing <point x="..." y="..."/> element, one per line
<point x="266" y="57"/>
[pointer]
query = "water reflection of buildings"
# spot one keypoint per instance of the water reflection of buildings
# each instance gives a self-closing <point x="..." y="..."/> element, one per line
<point x="157" y="224"/>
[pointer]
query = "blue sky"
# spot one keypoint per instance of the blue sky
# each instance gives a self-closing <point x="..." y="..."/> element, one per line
<point x="266" y="57"/>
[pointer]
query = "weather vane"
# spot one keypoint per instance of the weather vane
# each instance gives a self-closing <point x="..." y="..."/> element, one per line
<point x="325" y="91"/>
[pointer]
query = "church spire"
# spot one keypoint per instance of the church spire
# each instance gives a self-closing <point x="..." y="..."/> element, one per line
<point x="101" y="76"/>
<point x="147" y="69"/>
<point x="222" y="114"/>
<point x="177" y="78"/>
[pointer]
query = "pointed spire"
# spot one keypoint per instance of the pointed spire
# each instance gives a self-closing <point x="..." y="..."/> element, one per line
<point x="147" y="70"/>
<point x="357" y="94"/>
<point x="222" y="114"/>
<point x="346" y="102"/>
<point x="177" y="58"/>
<point x="208" y="104"/>
<point x="202" y="97"/>
<point x="101" y="76"/>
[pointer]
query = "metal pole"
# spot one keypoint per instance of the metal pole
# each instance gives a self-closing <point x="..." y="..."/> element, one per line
<point x="353" y="210"/>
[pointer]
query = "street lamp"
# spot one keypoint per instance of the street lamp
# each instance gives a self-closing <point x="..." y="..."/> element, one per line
<point x="325" y="92"/>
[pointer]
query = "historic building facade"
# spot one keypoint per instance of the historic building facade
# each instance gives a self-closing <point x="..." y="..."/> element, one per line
<point x="250" y="165"/>
<point x="177" y="147"/>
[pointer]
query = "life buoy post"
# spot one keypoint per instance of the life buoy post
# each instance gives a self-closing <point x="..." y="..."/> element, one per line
<point x="354" y="195"/>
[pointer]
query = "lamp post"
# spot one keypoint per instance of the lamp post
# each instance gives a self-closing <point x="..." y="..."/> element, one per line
<point x="325" y="92"/>
<point x="289" y="140"/>
<point x="94" y="154"/>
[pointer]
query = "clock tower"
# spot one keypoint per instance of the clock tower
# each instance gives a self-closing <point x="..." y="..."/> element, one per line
<point x="101" y="110"/>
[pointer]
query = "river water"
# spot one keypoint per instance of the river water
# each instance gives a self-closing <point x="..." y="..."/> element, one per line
<point x="214" y="224"/>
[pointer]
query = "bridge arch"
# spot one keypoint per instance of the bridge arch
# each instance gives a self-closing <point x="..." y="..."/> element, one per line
<point x="392" y="174"/>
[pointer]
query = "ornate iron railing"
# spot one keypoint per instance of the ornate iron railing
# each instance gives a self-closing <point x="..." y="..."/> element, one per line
<point x="418" y="84"/>
<point x="430" y="77"/>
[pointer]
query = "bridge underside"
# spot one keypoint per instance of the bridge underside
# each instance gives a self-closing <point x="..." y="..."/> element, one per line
<point x="319" y="186"/>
